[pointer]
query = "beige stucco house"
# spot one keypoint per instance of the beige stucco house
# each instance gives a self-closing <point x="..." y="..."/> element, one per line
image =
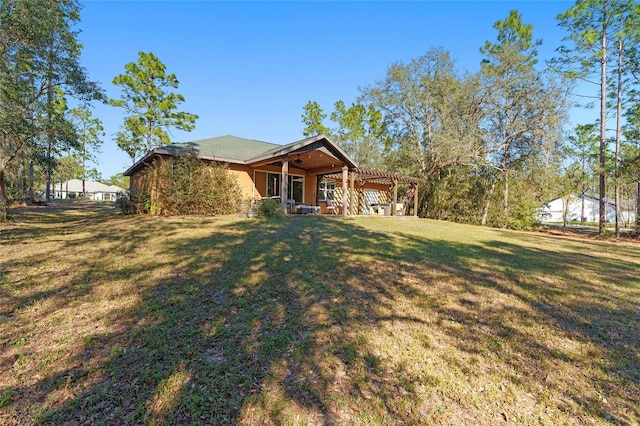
<point x="312" y="173"/>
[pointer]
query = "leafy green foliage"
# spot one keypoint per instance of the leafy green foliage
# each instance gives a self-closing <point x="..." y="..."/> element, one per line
<point x="133" y="204"/>
<point x="188" y="186"/>
<point x="312" y="118"/>
<point x="118" y="180"/>
<point x="451" y="195"/>
<point x="67" y="168"/>
<point x="581" y="152"/>
<point x="432" y="119"/>
<point x="59" y="134"/>
<point x="89" y="133"/>
<point x="150" y="107"/>
<point x="630" y="161"/>
<point x="270" y="208"/>
<point x="130" y="138"/>
<point x="601" y="32"/>
<point x="523" y="109"/>
<point x="360" y="132"/>
<point x="430" y="114"/>
<point x="39" y="67"/>
<point x="515" y="51"/>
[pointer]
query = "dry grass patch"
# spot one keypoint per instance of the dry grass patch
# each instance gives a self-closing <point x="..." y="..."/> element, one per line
<point x="137" y="320"/>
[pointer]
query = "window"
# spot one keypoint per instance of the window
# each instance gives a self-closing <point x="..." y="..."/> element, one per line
<point x="327" y="189"/>
<point x="296" y="186"/>
<point x="273" y="185"/>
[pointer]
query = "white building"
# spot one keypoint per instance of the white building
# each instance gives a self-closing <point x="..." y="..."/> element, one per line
<point x="94" y="190"/>
<point x="572" y="205"/>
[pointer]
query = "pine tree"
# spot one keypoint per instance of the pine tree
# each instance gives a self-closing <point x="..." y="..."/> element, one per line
<point x="150" y="105"/>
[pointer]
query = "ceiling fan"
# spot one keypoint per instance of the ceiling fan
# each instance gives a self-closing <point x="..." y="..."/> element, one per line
<point x="298" y="161"/>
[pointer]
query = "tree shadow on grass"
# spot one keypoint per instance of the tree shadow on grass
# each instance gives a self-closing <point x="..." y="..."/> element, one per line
<point x="240" y="310"/>
<point x="587" y="298"/>
<point x="262" y="321"/>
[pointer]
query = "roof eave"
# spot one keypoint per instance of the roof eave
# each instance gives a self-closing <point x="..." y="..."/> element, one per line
<point x="161" y="151"/>
<point x="299" y="145"/>
<point x="222" y="159"/>
<point x="138" y="164"/>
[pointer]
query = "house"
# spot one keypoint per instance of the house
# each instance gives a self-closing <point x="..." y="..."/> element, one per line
<point x="627" y="213"/>
<point x="94" y="190"/>
<point x="573" y="205"/>
<point x="309" y="172"/>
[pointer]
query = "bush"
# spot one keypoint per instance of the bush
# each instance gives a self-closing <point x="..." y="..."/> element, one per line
<point x="136" y="204"/>
<point x="185" y="185"/>
<point x="269" y="207"/>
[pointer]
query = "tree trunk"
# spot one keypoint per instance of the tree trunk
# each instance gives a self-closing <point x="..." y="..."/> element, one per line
<point x="485" y="211"/>
<point x="603" y="123"/>
<point x="506" y="199"/>
<point x="3" y="198"/>
<point x="149" y="128"/>
<point x="505" y="161"/>
<point x="49" y="139"/>
<point x="618" y="133"/>
<point x="582" y="218"/>
<point x="25" y="182"/>
<point x="638" y="207"/>
<point x="84" y="170"/>
<point x="31" y="172"/>
<point x="48" y="172"/>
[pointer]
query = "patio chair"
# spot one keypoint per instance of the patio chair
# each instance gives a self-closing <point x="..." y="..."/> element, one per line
<point x="331" y="208"/>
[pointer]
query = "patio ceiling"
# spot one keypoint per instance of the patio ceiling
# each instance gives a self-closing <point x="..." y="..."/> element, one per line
<point x="318" y="161"/>
<point x="317" y="155"/>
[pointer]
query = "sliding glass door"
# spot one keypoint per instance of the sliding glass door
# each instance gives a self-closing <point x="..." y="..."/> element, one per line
<point x="296" y="186"/>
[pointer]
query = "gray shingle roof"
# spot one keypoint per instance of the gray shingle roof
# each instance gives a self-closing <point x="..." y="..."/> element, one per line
<point x="237" y="150"/>
<point x="277" y="148"/>
<point x="227" y="147"/>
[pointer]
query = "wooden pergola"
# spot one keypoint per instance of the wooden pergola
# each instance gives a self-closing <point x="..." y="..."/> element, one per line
<point x="363" y="175"/>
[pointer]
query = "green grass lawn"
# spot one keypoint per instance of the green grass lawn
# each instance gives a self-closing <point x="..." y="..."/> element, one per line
<point x="108" y="319"/>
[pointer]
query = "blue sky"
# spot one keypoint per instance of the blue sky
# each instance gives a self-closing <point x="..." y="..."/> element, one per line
<point x="248" y="68"/>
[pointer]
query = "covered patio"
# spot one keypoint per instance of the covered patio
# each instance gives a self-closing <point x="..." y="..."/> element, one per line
<point x="317" y="160"/>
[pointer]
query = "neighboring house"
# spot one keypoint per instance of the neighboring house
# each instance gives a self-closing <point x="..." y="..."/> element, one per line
<point x="310" y="172"/>
<point x="572" y="205"/>
<point x="94" y="190"/>
<point x="628" y="213"/>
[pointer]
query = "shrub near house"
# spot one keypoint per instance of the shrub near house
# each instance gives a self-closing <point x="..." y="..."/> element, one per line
<point x="184" y="185"/>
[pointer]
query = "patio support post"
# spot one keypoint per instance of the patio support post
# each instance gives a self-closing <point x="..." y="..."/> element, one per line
<point x="395" y="198"/>
<point x="415" y="199"/>
<point x="284" y="183"/>
<point x="352" y="195"/>
<point x="317" y="197"/>
<point x="345" y="190"/>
